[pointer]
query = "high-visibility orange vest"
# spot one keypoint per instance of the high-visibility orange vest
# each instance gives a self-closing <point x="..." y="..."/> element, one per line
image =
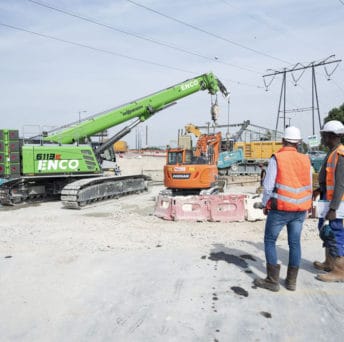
<point x="331" y="164"/>
<point x="293" y="188"/>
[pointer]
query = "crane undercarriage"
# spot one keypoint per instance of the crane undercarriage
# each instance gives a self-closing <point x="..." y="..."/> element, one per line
<point x="75" y="193"/>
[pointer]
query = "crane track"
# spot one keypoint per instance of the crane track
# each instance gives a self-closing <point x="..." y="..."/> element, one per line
<point x="80" y="193"/>
<point x="74" y="194"/>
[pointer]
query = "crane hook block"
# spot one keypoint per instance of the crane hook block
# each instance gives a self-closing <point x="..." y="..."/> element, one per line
<point x="215" y="110"/>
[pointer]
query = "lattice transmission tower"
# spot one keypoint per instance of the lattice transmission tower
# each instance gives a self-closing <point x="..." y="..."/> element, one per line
<point x="298" y="67"/>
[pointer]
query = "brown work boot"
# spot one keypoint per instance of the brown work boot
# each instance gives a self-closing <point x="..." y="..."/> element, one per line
<point x="290" y="282"/>
<point x="327" y="264"/>
<point x="271" y="281"/>
<point x="337" y="273"/>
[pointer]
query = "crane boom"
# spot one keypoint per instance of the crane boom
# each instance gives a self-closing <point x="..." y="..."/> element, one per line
<point x="142" y="109"/>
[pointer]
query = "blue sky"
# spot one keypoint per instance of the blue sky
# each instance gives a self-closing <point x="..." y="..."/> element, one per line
<point x="46" y="83"/>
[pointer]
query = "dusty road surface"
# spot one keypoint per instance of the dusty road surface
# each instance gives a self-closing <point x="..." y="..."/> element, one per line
<point x="114" y="272"/>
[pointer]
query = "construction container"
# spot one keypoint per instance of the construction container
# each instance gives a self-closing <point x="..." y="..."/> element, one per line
<point x="120" y="146"/>
<point x="9" y="153"/>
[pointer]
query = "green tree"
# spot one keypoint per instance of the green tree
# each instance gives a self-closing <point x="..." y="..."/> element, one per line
<point x="268" y="135"/>
<point x="336" y="114"/>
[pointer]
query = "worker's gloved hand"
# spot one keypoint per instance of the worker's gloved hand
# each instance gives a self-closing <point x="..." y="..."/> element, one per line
<point x="326" y="232"/>
<point x="258" y="205"/>
<point x="331" y="215"/>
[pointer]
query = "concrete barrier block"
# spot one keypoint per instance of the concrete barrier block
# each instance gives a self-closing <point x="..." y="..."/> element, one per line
<point x="190" y="208"/>
<point x="227" y="208"/>
<point x="163" y="208"/>
<point x="253" y="214"/>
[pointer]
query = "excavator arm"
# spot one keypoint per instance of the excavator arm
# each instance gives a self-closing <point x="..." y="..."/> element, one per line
<point x="190" y="128"/>
<point x="142" y="109"/>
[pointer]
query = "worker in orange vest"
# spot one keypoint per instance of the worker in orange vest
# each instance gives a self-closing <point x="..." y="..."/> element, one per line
<point x="287" y="197"/>
<point x="331" y="189"/>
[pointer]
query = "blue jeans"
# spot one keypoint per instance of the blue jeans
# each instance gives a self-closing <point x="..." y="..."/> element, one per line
<point x="276" y="220"/>
<point x="335" y="241"/>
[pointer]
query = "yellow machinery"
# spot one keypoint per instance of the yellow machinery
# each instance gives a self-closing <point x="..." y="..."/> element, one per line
<point x="120" y="146"/>
<point x="258" y="149"/>
<point x="190" y="128"/>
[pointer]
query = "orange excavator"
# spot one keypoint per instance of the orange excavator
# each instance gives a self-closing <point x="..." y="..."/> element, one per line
<point x="189" y="172"/>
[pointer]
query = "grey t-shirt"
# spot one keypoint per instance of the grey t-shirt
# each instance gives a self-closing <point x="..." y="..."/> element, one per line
<point x="339" y="180"/>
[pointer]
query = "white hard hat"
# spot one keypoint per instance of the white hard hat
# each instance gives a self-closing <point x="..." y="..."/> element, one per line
<point x="292" y="134"/>
<point x="333" y="126"/>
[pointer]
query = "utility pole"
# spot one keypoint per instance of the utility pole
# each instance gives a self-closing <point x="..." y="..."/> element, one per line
<point x="283" y="94"/>
<point x="146" y="136"/>
<point x="81" y="112"/>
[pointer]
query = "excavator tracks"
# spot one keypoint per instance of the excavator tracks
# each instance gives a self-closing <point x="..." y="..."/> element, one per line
<point x="83" y="192"/>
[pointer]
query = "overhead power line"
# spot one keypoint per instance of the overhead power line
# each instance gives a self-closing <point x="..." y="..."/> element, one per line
<point x="94" y="48"/>
<point x="338" y="86"/>
<point x="208" y="32"/>
<point x="138" y="36"/>
<point x="114" y="53"/>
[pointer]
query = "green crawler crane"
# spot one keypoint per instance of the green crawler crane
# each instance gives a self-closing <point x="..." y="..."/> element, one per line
<point x="64" y="163"/>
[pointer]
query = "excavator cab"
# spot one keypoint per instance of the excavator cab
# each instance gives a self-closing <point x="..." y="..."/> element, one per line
<point x="193" y="172"/>
<point x="178" y="156"/>
<point x="175" y="156"/>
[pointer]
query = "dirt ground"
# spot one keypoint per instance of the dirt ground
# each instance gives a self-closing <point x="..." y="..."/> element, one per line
<point x="115" y="272"/>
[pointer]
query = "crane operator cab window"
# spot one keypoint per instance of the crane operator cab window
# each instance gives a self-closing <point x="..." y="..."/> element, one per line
<point x="175" y="158"/>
